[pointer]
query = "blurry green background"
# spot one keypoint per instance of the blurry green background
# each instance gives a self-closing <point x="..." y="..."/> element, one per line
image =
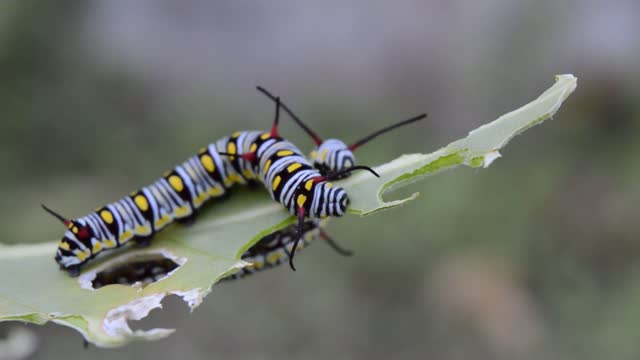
<point x="537" y="256"/>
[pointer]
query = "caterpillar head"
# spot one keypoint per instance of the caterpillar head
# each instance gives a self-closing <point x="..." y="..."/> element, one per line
<point x="74" y="247"/>
<point x="332" y="156"/>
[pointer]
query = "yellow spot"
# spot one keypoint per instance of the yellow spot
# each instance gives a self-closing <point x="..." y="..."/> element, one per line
<point x="266" y="167"/>
<point x="314" y="154"/>
<point x="182" y="211"/>
<point x="253" y="147"/>
<point x="258" y="264"/>
<point x="162" y="221"/>
<point x="75" y="229"/>
<point x="329" y="185"/>
<point x="207" y="162"/>
<point x="71" y="224"/>
<point x="109" y="243"/>
<point x="236" y="134"/>
<point x="248" y="174"/>
<point x="96" y="247"/>
<point x="63" y="245"/>
<point x="82" y="255"/>
<point x="308" y="184"/>
<point x="215" y="191"/>
<point x="202" y="151"/>
<point x="200" y="199"/>
<point x="235" y="178"/>
<point x="284" y="153"/>
<point x="142" y="230"/>
<point x="323" y="155"/>
<point x="141" y="202"/>
<point x="301" y="200"/>
<point x="165" y="174"/>
<point x="293" y="167"/>
<point x="231" y="148"/>
<point x="126" y="236"/>
<point x="276" y="182"/>
<point x="107" y="216"/>
<point x="274" y="257"/>
<point x="265" y="136"/>
<point x="176" y="183"/>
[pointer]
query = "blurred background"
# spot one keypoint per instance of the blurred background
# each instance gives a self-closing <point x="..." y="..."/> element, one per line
<point x="537" y="256"/>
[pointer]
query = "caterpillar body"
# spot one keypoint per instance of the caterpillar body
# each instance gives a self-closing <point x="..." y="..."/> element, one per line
<point x="242" y="157"/>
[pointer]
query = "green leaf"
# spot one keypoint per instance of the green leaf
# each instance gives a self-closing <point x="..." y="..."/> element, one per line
<point x="33" y="290"/>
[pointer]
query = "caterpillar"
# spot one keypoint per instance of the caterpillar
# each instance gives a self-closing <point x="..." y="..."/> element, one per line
<point x="273" y="249"/>
<point x="237" y="159"/>
<point x="333" y="156"/>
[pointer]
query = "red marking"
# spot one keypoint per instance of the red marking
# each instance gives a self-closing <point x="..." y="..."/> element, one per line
<point x="316" y="140"/>
<point x="83" y="233"/>
<point x="301" y="212"/>
<point x="274" y="131"/>
<point x="318" y="179"/>
<point x="250" y="157"/>
<point x="353" y="147"/>
<point x="66" y="223"/>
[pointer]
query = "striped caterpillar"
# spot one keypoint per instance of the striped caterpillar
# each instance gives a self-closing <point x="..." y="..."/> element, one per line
<point x="330" y="156"/>
<point x="242" y="157"/>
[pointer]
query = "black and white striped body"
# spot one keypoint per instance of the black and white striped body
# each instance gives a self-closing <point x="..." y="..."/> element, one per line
<point x="278" y="164"/>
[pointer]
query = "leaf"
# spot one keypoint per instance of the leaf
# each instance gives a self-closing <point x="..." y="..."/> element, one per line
<point x="33" y="290"/>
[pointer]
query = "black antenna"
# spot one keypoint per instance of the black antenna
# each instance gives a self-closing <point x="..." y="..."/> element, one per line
<point x="341" y="173"/>
<point x="295" y="118"/>
<point x="368" y="138"/>
<point x="56" y="215"/>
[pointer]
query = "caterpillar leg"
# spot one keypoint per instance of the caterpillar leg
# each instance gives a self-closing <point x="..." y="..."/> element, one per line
<point x="334" y="245"/>
<point x="143" y="242"/>
<point x="73" y="270"/>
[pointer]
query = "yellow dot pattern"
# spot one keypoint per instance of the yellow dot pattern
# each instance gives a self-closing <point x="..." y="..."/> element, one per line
<point x="265" y="136"/>
<point x="284" y="153"/>
<point x="141" y="202"/>
<point x="208" y="164"/>
<point x="308" y="185"/>
<point x="276" y="182"/>
<point x="107" y="216"/>
<point x="301" y="200"/>
<point x="231" y="148"/>
<point x="108" y="243"/>
<point x="176" y="183"/>
<point x="253" y="147"/>
<point x="293" y="167"/>
<point x="266" y="167"/>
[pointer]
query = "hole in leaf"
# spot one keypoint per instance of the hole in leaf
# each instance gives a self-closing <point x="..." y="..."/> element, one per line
<point x="140" y="271"/>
